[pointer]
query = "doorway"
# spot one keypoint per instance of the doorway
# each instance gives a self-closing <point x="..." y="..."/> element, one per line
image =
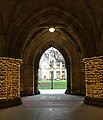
<point x="52" y="73"/>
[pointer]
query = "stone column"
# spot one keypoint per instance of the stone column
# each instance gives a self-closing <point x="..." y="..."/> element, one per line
<point x="94" y="80"/>
<point x="36" y="91"/>
<point x="9" y="82"/>
<point x="75" y="76"/>
<point x="68" y="90"/>
<point x="27" y="84"/>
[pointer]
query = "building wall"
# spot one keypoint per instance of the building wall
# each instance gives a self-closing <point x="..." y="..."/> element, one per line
<point x="52" y="64"/>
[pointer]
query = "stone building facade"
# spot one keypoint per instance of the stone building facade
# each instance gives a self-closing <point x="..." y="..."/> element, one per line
<point x="52" y="64"/>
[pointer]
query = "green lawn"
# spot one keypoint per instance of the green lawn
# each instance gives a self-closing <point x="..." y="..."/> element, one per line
<point x="57" y="84"/>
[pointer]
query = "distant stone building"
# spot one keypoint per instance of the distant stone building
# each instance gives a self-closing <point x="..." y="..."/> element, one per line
<point x="52" y="65"/>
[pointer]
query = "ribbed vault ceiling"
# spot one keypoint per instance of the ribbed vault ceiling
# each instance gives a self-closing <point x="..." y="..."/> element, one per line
<point x="80" y="21"/>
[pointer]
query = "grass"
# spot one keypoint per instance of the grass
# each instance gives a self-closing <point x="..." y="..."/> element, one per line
<point x="57" y="84"/>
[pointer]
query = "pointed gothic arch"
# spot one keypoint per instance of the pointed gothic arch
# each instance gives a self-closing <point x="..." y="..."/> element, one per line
<point x="48" y="72"/>
<point x="32" y="39"/>
<point x="70" y="54"/>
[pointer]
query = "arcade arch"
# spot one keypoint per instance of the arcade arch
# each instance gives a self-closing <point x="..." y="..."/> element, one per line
<point x="33" y="38"/>
<point x="52" y="73"/>
<point x="32" y="57"/>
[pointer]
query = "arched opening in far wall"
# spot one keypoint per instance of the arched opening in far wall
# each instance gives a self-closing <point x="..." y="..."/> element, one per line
<point x="32" y="55"/>
<point x="52" y="72"/>
<point x="65" y="39"/>
<point x="67" y="67"/>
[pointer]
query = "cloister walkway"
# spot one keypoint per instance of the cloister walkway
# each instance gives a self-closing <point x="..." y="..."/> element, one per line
<point x="49" y="106"/>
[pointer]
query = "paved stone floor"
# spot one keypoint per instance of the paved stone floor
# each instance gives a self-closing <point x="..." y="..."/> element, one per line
<point x="56" y="106"/>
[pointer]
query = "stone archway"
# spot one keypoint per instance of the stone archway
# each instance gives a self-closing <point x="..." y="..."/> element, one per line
<point x="33" y="38"/>
<point x="52" y="72"/>
<point x="36" y="63"/>
<point x="31" y="63"/>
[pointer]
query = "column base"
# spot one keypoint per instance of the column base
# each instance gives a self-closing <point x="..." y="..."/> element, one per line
<point x="29" y="93"/>
<point x="93" y="101"/>
<point x="36" y="92"/>
<point x="67" y="91"/>
<point x="26" y="92"/>
<point x="10" y="103"/>
<point x="78" y="92"/>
